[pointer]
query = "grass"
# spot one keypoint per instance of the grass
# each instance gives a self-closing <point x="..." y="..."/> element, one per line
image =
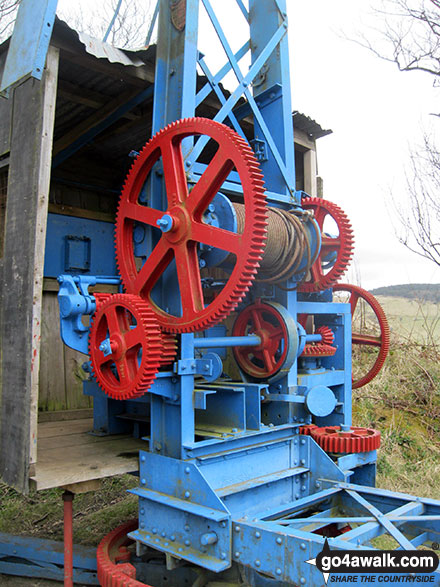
<point x="403" y="402"/>
<point x="95" y="513"/>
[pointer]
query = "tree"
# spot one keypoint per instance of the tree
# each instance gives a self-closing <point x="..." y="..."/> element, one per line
<point x="8" y="9"/>
<point x="410" y="38"/>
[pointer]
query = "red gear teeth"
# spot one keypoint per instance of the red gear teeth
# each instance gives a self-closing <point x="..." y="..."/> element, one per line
<point x="382" y="342"/>
<point x="100" y="298"/>
<point x="169" y="349"/>
<point x="186" y="210"/>
<point x="306" y="430"/>
<point x="343" y="245"/>
<point x="333" y="440"/>
<point x="327" y="335"/>
<point x="114" y="320"/>
<point x="108" y="553"/>
<point x="318" y="350"/>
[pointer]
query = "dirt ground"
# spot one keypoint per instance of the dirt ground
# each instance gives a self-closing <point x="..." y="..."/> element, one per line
<point x="10" y="581"/>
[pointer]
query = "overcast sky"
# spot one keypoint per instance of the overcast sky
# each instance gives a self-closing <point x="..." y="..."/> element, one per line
<point x="376" y="114"/>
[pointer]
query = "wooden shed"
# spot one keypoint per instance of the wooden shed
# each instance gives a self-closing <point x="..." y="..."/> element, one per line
<point x="66" y="144"/>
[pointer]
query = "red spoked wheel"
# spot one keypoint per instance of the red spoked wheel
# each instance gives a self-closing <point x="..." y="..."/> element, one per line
<point x="112" y="556"/>
<point x="182" y="227"/>
<point x="336" y="251"/>
<point x="126" y="346"/>
<point x="334" y="440"/>
<point x="379" y="340"/>
<point x="279" y="340"/>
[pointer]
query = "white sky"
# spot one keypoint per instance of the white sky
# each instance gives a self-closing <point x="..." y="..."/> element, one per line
<point x="375" y="113"/>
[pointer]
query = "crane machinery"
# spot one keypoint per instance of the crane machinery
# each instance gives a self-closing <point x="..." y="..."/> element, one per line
<point x="228" y="347"/>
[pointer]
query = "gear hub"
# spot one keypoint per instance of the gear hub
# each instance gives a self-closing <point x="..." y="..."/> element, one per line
<point x="182" y="230"/>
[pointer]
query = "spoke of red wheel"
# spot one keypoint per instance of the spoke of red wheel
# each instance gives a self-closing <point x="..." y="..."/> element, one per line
<point x="268" y="360"/>
<point x="256" y="318"/>
<point x="133" y="337"/>
<point x="330" y="244"/>
<point x="152" y="269"/>
<point x="123" y="370"/>
<point x="190" y="283"/>
<point x="354" y="298"/>
<point x="113" y="318"/>
<point x="278" y="333"/>
<point x="174" y="172"/>
<point x="316" y="271"/>
<point x="209" y="184"/>
<point x="140" y="213"/>
<point x="100" y="359"/>
<point x="365" y="339"/>
<point x="218" y="238"/>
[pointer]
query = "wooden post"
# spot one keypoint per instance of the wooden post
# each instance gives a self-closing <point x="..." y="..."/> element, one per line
<point x="32" y="124"/>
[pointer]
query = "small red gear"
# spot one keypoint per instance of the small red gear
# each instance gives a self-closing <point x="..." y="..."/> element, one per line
<point x="334" y="440"/>
<point x="342" y="245"/>
<point x="136" y="346"/>
<point x="306" y="429"/>
<point x="318" y="350"/>
<point x="382" y="342"/>
<point x="183" y="226"/>
<point x="111" y="550"/>
<point x="327" y="334"/>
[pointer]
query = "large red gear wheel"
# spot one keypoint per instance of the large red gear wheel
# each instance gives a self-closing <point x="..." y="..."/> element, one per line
<point x="275" y="353"/>
<point x="382" y="342"/>
<point x="342" y="245"/>
<point x="185" y="230"/>
<point x="111" y="551"/>
<point x="334" y="440"/>
<point x="136" y="350"/>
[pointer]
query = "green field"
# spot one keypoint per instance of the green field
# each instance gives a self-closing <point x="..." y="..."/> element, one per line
<point x="412" y="320"/>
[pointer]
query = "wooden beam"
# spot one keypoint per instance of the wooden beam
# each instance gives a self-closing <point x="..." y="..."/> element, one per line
<point x="28" y="193"/>
<point x="93" y="120"/>
<point x="86" y="97"/>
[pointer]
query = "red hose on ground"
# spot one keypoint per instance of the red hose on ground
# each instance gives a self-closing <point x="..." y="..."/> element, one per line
<point x="68" y="538"/>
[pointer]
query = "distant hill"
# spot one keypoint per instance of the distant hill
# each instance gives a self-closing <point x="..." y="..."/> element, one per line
<point x="429" y="292"/>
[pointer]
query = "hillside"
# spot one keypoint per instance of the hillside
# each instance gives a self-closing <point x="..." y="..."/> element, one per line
<point x="427" y="292"/>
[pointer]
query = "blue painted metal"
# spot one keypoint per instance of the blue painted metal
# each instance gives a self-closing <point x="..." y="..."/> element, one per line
<point x="38" y="558"/>
<point x="29" y="44"/>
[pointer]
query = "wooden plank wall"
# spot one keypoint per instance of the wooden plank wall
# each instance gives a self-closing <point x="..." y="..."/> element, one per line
<point x="61" y="375"/>
<point x="31" y="133"/>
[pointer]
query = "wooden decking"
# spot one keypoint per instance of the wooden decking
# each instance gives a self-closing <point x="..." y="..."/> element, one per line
<point x="67" y="453"/>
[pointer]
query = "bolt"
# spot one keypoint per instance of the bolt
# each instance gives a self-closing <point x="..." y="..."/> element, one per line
<point x="142" y="525"/>
<point x="303" y="462"/>
<point x="279" y="540"/>
<point x="278" y="571"/>
<point x="303" y="441"/>
<point x="257" y="563"/>
<point x="187" y="494"/>
<point x="223" y="555"/>
<point x="257" y="535"/>
<point x="211" y="208"/>
<point x="187" y="542"/>
<point x="234" y="430"/>
<point x="302" y="581"/>
<point x="187" y="470"/>
<point x="172" y="538"/>
<point x="142" y="511"/>
<point x="237" y="554"/>
<point x="237" y="528"/>
<point x="303" y="487"/>
<point x="187" y="528"/>
<point x="202" y="263"/>
<point x="223" y="524"/>
<point x="143" y="482"/>
<point x="154" y="530"/>
<point x="317" y="484"/>
<point x="180" y="549"/>
<point x="143" y="459"/>
<point x="206" y="367"/>
<point x="163" y="534"/>
<point x="302" y="546"/>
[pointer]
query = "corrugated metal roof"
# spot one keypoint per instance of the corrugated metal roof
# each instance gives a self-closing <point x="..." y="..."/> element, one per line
<point x="309" y="126"/>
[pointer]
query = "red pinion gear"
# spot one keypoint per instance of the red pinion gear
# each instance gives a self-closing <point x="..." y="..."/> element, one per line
<point x="334" y="440"/>
<point x="186" y="210"/>
<point x="318" y="350"/>
<point x="137" y="346"/>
